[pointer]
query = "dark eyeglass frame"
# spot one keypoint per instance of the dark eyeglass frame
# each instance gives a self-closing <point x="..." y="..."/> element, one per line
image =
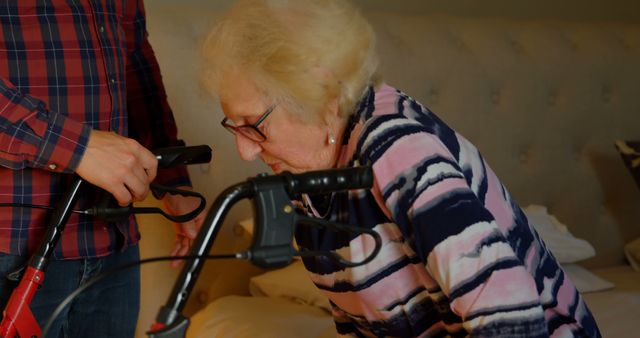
<point x="249" y="131"/>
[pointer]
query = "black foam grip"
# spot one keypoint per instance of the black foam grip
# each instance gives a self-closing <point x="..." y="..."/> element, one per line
<point x="322" y="181"/>
<point x="173" y="156"/>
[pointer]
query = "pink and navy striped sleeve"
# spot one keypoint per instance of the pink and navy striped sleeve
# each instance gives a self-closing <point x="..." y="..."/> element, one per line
<point x="458" y="255"/>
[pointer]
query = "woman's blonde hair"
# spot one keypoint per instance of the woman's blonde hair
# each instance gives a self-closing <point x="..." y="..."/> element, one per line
<point x="303" y="53"/>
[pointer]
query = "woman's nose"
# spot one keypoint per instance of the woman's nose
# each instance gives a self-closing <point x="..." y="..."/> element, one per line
<point x="247" y="149"/>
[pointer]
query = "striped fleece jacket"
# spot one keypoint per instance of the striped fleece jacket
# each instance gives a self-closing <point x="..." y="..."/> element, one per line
<point x="458" y="256"/>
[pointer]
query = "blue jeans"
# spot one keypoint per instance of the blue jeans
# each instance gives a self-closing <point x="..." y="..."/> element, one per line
<point x="109" y="308"/>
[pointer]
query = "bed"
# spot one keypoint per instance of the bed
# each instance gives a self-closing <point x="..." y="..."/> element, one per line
<point x="544" y="91"/>
<point x="285" y="303"/>
<point x="615" y="310"/>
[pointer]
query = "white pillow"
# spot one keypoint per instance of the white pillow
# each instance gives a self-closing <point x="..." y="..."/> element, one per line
<point x="584" y="280"/>
<point x="564" y="246"/>
<point x="291" y="282"/>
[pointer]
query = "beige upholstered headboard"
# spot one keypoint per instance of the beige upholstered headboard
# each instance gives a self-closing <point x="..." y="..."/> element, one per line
<point x="544" y="98"/>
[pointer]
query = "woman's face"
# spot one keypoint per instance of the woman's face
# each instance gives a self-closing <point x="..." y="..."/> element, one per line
<point x="291" y="144"/>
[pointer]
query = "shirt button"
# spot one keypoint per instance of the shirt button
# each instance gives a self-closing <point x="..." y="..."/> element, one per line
<point x="101" y="29"/>
<point x="113" y="80"/>
<point x="53" y="166"/>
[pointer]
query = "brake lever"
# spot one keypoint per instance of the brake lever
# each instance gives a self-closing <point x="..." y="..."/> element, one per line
<point x="109" y="213"/>
<point x="277" y="217"/>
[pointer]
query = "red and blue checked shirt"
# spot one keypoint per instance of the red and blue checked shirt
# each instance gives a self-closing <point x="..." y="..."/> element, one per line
<point x="67" y="67"/>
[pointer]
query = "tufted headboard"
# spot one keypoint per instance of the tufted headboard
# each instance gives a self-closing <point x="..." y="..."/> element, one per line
<point x="544" y="99"/>
<point x="544" y="102"/>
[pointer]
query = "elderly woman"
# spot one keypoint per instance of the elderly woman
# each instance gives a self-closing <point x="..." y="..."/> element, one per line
<point x="298" y="83"/>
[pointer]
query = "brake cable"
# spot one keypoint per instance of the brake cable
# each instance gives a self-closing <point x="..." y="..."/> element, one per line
<point x="110" y="213"/>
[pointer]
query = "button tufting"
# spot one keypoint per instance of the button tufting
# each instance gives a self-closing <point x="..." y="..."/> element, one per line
<point x="606" y="93"/>
<point x="525" y="154"/>
<point x="457" y="41"/>
<point x="571" y="44"/>
<point x="495" y="97"/>
<point x="578" y="153"/>
<point x="552" y="99"/>
<point x="516" y="46"/>
<point x="626" y="45"/>
<point x="523" y="157"/>
<point x="604" y="209"/>
<point x="397" y="40"/>
<point x="434" y="95"/>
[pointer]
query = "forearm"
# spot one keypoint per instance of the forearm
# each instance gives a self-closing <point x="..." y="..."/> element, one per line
<point x="458" y="239"/>
<point x="33" y="136"/>
<point x="475" y="266"/>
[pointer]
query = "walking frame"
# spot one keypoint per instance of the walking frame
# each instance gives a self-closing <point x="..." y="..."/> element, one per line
<point x="276" y="220"/>
<point x="18" y="320"/>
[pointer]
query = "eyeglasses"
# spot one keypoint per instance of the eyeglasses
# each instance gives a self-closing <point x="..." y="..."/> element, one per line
<point x="249" y="131"/>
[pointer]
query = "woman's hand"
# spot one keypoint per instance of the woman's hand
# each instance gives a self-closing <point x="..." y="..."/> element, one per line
<point x="185" y="232"/>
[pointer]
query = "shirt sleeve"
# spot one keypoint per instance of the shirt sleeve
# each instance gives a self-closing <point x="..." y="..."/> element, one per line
<point x="426" y="193"/>
<point x="151" y="120"/>
<point x="33" y="136"/>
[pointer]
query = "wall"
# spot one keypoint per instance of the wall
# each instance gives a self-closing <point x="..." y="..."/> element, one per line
<point x="176" y="29"/>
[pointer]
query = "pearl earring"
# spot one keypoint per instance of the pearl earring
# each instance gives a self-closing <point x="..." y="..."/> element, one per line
<point x="331" y="139"/>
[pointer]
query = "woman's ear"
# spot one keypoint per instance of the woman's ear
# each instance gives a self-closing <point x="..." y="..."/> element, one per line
<point x="331" y="111"/>
<point x="334" y="122"/>
<point x="331" y="89"/>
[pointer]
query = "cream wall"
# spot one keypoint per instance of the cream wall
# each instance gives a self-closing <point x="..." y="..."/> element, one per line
<point x="542" y="87"/>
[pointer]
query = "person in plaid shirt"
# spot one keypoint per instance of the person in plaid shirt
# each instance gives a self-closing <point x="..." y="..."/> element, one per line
<point x="81" y="92"/>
